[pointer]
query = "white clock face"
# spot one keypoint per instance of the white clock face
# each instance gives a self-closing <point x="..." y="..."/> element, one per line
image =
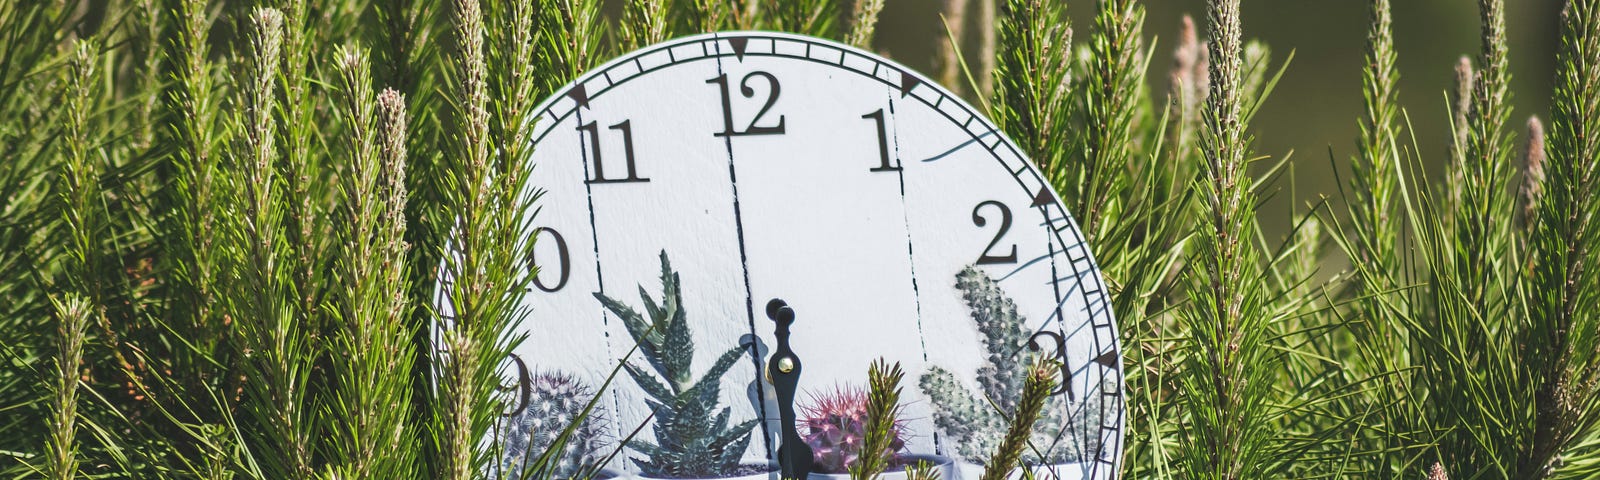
<point x="771" y="166"/>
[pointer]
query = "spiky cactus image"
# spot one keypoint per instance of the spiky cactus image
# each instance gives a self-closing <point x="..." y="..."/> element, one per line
<point x="1065" y="431"/>
<point x="836" y="429"/>
<point x="694" y="438"/>
<point x="555" y="400"/>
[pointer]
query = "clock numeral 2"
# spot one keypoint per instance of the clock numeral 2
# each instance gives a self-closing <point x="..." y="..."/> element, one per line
<point x="626" y="127"/>
<point x="744" y="89"/>
<point x="1005" y="225"/>
<point x="564" y="260"/>
<point x="883" y="143"/>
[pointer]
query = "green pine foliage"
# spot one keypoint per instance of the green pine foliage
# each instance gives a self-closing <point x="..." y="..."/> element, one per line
<point x="1032" y="81"/>
<point x="1563" y="351"/>
<point x="1037" y="383"/>
<point x="1227" y="365"/>
<point x="881" y="438"/>
<point x="223" y="226"/>
<point x="694" y="435"/>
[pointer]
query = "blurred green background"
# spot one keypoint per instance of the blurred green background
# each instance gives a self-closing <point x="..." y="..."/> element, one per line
<point x="1318" y="103"/>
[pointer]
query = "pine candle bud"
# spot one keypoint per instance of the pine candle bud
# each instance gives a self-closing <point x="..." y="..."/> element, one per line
<point x="1532" y="189"/>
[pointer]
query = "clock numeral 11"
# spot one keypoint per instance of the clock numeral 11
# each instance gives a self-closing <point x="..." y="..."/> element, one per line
<point x="626" y="127"/>
<point x="883" y="143"/>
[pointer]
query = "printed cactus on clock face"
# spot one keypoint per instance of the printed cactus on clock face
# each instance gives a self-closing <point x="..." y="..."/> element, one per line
<point x="554" y="401"/>
<point x="977" y="421"/>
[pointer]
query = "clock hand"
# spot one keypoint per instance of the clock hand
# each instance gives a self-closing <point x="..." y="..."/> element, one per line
<point x="794" y="456"/>
<point x="957" y="147"/>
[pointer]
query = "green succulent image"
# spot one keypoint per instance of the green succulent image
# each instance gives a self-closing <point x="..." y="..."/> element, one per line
<point x="694" y="434"/>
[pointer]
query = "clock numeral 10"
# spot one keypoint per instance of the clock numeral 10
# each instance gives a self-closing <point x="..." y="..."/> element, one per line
<point x="988" y="258"/>
<point x="563" y="260"/>
<point x="626" y="127"/>
<point x="744" y="89"/>
<point x="883" y="143"/>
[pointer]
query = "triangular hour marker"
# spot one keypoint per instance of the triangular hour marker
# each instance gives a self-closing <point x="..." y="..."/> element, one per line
<point x="739" y="44"/>
<point x="1108" y="359"/>
<point x="908" y="82"/>
<point x="1043" y="198"/>
<point x="580" y="95"/>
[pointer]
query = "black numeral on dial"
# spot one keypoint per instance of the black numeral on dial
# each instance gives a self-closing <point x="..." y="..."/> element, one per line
<point x="883" y="143"/>
<point x="563" y="260"/>
<point x="744" y="88"/>
<point x="989" y="258"/>
<point x="626" y="127"/>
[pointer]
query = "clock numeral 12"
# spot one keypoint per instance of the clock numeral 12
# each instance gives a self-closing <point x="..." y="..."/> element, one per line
<point x="626" y="127"/>
<point x="1005" y="225"/>
<point x="563" y="259"/>
<point x="744" y="89"/>
<point x="883" y="143"/>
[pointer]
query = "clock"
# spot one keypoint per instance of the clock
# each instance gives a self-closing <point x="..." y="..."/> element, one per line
<point x="886" y="215"/>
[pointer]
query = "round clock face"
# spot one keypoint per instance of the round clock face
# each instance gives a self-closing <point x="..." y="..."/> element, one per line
<point x="893" y="219"/>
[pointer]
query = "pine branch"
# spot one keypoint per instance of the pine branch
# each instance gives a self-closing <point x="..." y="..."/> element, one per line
<point x="73" y="315"/>
<point x="484" y="273"/>
<point x="1113" y="82"/>
<point x="1376" y="169"/>
<point x="405" y="29"/>
<point x="922" y="470"/>
<point x="1486" y="168"/>
<point x="883" y="414"/>
<point x="196" y="235"/>
<point x="571" y="42"/>
<point x="372" y="438"/>
<point x="80" y="195"/>
<point x="1226" y="370"/>
<point x="513" y="77"/>
<point x="472" y="292"/>
<point x="1036" y="388"/>
<point x="300" y="168"/>
<point x="645" y="22"/>
<point x="1562" y="350"/>
<point x="817" y="18"/>
<point x="263" y="301"/>
<point x="1032" y="82"/>
<point x="863" y="23"/>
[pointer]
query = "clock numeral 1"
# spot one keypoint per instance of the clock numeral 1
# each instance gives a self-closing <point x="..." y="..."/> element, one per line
<point x="1005" y="225"/>
<point x="883" y="143"/>
<point x="563" y="260"/>
<point x="626" y="127"/>
<point x="744" y="89"/>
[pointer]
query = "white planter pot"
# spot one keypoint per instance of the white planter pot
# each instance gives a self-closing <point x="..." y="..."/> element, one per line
<point x="945" y="466"/>
<point x="1066" y="471"/>
<point x="771" y="475"/>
